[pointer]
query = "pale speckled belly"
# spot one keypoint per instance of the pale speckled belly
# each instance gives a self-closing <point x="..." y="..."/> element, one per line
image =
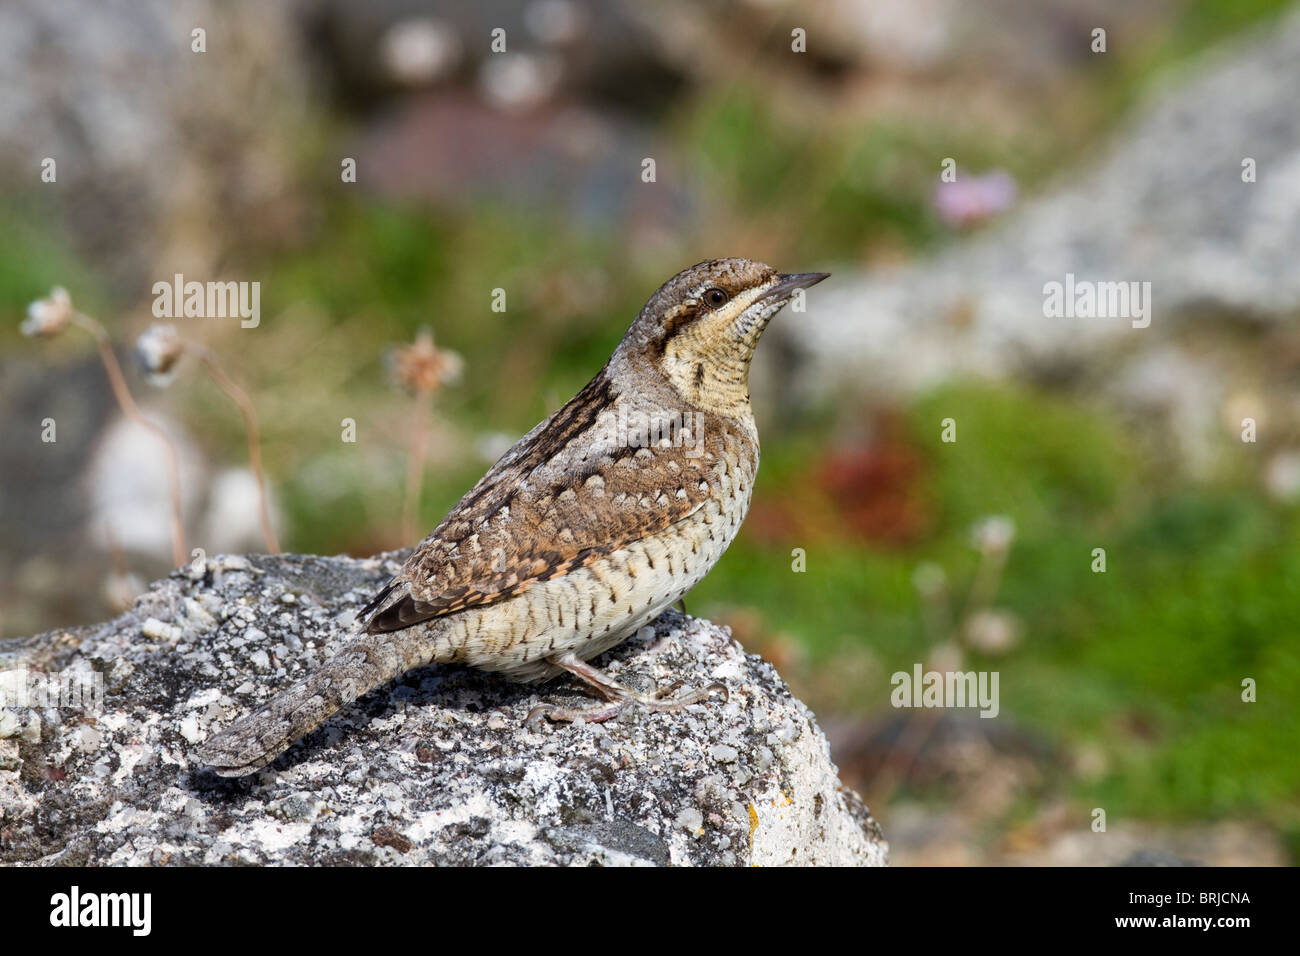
<point x="593" y="609"/>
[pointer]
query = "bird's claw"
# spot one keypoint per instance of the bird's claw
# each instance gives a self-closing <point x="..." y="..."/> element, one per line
<point x="621" y="698"/>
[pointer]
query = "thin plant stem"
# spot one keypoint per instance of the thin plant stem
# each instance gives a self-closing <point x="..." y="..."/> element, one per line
<point x="903" y="754"/>
<point x="247" y="409"/>
<point x="132" y="411"/>
<point x="987" y="578"/>
<point x="415" y="468"/>
<point x="115" y="552"/>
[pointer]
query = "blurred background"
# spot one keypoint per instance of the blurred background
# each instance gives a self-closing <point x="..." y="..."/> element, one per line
<point x="523" y="171"/>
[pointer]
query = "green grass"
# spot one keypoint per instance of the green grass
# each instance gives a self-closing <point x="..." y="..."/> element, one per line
<point x="1146" y="658"/>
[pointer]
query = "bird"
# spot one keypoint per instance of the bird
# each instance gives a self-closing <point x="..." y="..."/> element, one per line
<point x="591" y="525"/>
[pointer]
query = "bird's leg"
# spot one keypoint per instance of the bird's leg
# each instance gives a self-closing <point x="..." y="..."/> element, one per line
<point x="616" y="695"/>
<point x="681" y="603"/>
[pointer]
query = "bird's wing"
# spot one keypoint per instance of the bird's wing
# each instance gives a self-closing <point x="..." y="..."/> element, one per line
<point x="569" y="492"/>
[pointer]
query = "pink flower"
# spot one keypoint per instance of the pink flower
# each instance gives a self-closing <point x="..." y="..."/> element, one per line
<point x="973" y="200"/>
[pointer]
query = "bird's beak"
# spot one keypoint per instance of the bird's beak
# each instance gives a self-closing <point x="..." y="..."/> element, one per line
<point x="787" y="284"/>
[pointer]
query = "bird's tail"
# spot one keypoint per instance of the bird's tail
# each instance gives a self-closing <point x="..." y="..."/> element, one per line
<point x="359" y="667"/>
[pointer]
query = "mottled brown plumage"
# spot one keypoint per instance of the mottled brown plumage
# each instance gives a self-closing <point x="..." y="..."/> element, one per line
<point x="593" y="523"/>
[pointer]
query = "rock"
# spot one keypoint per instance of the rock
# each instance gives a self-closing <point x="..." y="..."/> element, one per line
<point x="101" y="490"/>
<point x="116" y="95"/>
<point x="436" y="768"/>
<point x="1164" y="202"/>
<point x="584" y="52"/>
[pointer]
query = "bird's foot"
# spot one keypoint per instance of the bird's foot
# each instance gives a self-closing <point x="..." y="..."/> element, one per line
<point x="617" y="697"/>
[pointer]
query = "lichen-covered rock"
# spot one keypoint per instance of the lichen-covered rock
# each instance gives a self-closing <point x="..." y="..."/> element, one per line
<point x="437" y="767"/>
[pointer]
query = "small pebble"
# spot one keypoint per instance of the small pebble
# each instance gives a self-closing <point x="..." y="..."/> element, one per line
<point x="724" y="753"/>
<point x="690" y="820"/>
<point x="159" y="630"/>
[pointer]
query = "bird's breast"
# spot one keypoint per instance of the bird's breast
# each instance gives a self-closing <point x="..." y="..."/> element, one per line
<point x="591" y="609"/>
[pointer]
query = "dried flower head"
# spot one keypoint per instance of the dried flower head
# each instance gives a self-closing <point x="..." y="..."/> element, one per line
<point x="422" y="369"/>
<point x="159" y="350"/>
<point x="48" y="316"/>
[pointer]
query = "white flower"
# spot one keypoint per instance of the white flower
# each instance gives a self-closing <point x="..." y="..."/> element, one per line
<point x="420" y="51"/>
<point x="929" y="579"/>
<point x="993" y="632"/>
<point x="1282" y="476"/>
<point x="994" y="535"/>
<point x="520" y="81"/>
<point x="945" y="658"/>
<point x="48" y="316"/>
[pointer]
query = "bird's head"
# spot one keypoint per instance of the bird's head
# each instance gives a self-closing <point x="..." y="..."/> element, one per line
<point x="700" y="328"/>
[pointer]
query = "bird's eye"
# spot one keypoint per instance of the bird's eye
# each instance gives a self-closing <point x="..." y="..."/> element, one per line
<point x="715" y="297"/>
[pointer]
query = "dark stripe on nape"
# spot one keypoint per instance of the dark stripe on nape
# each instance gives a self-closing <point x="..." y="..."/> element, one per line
<point x="682" y="317"/>
<point x="576" y="417"/>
